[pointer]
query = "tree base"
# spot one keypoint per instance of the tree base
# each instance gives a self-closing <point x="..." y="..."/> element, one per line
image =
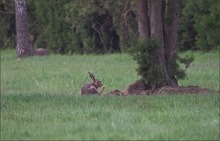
<point x="138" y="88"/>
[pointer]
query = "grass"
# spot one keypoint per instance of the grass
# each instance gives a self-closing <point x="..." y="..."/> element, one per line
<point x="40" y="100"/>
<point x="57" y="74"/>
<point x="204" y="71"/>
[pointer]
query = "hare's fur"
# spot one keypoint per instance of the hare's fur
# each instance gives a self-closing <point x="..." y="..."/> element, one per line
<point x="92" y="88"/>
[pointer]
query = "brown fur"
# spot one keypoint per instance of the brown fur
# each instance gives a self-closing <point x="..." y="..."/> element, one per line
<point x="92" y="88"/>
<point x="41" y="52"/>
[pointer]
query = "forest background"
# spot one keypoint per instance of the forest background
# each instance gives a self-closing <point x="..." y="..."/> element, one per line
<point x="83" y="27"/>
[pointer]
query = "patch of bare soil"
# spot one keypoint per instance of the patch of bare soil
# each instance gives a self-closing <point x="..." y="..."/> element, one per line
<point x="139" y="88"/>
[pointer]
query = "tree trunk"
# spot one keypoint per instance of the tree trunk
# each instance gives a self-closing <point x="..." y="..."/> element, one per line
<point x="166" y="34"/>
<point x="143" y="23"/>
<point x="171" y="37"/>
<point x="156" y="30"/>
<point x="23" y="43"/>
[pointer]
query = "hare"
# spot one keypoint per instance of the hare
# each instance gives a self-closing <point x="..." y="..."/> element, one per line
<point x="92" y="88"/>
<point x="41" y="52"/>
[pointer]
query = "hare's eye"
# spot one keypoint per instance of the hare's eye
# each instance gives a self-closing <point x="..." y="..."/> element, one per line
<point x="97" y="82"/>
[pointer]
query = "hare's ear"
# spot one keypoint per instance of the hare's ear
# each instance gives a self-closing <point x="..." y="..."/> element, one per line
<point x="91" y="76"/>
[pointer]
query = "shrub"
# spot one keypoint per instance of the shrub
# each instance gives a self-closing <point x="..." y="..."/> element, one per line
<point x="145" y="55"/>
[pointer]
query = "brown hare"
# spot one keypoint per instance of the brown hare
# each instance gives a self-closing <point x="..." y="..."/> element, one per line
<point x="92" y="88"/>
<point x="41" y="52"/>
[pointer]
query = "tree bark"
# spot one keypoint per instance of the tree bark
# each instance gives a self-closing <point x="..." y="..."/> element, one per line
<point x="143" y="21"/>
<point x="156" y="30"/>
<point x="23" y="42"/>
<point x="164" y="66"/>
<point x="156" y="27"/>
<point x="171" y="39"/>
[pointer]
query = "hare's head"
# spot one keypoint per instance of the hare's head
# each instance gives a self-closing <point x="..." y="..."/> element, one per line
<point x="96" y="82"/>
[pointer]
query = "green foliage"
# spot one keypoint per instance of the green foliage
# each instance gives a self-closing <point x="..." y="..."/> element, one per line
<point x="180" y="72"/>
<point x="65" y="26"/>
<point x="145" y="55"/>
<point x="74" y="26"/>
<point x="124" y="14"/>
<point x="7" y="24"/>
<point x="105" y="26"/>
<point x="47" y="22"/>
<point x="199" y="23"/>
<point x="207" y="24"/>
<point x="103" y="37"/>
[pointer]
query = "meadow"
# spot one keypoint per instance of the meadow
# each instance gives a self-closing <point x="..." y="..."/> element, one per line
<point x="40" y="100"/>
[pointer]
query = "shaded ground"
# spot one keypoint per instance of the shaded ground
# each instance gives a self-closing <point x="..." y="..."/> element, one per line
<point x="139" y="88"/>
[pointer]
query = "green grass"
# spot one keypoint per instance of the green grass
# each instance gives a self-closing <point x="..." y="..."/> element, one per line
<point x="204" y="70"/>
<point x="40" y="100"/>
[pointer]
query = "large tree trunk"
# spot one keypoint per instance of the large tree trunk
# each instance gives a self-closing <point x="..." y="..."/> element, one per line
<point x="23" y="45"/>
<point x="165" y="34"/>
<point x="143" y="23"/>
<point x="156" y="30"/>
<point x="171" y="37"/>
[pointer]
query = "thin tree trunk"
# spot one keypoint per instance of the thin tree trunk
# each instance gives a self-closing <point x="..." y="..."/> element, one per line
<point x="143" y="22"/>
<point x="171" y="37"/>
<point x="23" y="43"/>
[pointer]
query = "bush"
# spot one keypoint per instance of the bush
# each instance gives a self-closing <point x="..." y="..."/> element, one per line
<point x="145" y="55"/>
<point x="199" y="23"/>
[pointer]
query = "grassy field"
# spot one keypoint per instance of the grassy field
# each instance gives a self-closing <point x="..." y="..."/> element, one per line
<point x="40" y="100"/>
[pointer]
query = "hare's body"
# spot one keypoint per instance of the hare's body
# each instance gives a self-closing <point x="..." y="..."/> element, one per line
<point x="92" y="88"/>
<point x="89" y="88"/>
<point x="41" y="52"/>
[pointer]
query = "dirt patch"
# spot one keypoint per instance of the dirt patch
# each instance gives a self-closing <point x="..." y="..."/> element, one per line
<point x="139" y="88"/>
<point x="182" y="90"/>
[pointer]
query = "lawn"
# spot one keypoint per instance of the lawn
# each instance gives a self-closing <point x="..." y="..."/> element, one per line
<point x="40" y="100"/>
